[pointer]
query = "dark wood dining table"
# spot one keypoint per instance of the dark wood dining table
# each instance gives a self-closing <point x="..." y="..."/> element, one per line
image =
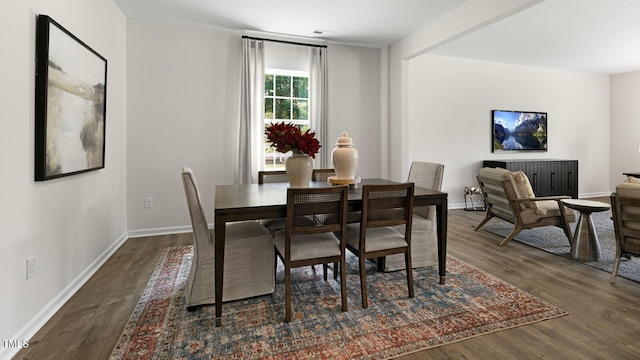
<point x="240" y="202"/>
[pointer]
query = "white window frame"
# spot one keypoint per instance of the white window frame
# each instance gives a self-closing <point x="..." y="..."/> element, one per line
<point x="271" y="155"/>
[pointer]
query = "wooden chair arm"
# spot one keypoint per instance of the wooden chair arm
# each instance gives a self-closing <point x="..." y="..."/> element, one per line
<point x="542" y="198"/>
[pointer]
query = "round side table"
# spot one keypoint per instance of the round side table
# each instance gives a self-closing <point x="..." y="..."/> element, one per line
<point x="585" y="245"/>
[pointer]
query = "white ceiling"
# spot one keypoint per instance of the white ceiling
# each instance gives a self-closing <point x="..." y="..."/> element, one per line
<point x="599" y="36"/>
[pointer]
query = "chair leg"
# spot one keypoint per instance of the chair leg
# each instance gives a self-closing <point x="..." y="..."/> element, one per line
<point x="287" y="292"/>
<point x="335" y="271"/>
<point x="516" y="231"/>
<point x="616" y="264"/>
<point x="363" y="281"/>
<point x="407" y="261"/>
<point x="343" y="281"/>
<point x="487" y="218"/>
<point x="381" y="261"/>
<point x="325" y="266"/>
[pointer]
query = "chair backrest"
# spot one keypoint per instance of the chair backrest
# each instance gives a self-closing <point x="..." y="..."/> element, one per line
<point x="625" y="207"/>
<point x="316" y="210"/>
<point x="273" y="176"/>
<point x="387" y="205"/>
<point x="196" y="212"/>
<point x="497" y="187"/>
<point x="426" y="175"/>
<point x="322" y="174"/>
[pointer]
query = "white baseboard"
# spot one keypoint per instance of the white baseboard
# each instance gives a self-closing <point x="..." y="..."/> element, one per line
<point x="44" y="315"/>
<point x="160" y="231"/>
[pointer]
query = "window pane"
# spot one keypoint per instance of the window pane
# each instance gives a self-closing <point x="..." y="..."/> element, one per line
<point x="268" y="108"/>
<point x="301" y="87"/>
<point x="283" y="109"/>
<point x="268" y="85"/>
<point x="300" y="111"/>
<point x="283" y="85"/>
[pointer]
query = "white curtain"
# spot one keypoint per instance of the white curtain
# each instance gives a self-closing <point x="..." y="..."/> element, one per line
<point x="318" y="107"/>
<point x="251" y="113"/>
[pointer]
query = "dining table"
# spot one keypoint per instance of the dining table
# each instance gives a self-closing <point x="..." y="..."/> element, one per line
<point x="239" y="202"/>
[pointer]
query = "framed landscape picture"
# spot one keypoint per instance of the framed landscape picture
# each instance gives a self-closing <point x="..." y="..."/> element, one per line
<point x="70" y="103"/>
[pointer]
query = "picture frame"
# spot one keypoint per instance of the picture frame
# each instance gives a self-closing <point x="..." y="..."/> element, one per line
<point x="70" y="103"/>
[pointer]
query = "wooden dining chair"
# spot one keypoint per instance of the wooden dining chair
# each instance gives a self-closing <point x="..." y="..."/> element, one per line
<point x="322" y="174"/>
<point x="314" y="234"/>
<point x="272" y="176"/>
<point x="384" y="207"/>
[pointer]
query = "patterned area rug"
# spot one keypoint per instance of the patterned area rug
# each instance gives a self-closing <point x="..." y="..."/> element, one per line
<point x="553" y="240"/>
<point x="472" y="303"/>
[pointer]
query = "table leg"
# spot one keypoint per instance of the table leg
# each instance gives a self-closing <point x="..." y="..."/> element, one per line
<point x="220" y="233"/>
<point x="585" y="245"/>
<point x="441" y="215"/>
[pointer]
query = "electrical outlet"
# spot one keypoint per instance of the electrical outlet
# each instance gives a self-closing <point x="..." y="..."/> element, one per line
<point x="31" y="267"/>
<point x="148" y="203"/>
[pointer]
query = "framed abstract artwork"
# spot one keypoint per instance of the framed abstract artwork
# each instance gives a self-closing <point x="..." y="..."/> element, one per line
<point x="70" y="103"/>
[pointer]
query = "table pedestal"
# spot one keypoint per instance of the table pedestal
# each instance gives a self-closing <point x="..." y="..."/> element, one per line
<point x="585" y="245"/>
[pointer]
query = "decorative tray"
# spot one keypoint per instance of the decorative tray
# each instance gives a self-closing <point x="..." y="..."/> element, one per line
<point x="353" y="183"/>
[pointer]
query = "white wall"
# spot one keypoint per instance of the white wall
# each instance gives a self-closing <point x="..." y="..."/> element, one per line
<point x="184" y="88"/>
<point x="70" y="224"/>
<point x="449" y="117"/>
<point x="625" y="125"/>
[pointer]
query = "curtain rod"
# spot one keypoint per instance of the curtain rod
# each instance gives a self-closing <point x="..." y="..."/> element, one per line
<point x="283" y="41"/>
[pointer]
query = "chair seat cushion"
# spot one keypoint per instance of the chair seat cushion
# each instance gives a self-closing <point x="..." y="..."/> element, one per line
<point x="551" y="209"/>
<point x="310" y="246"/>
<point x="377" y="239"/>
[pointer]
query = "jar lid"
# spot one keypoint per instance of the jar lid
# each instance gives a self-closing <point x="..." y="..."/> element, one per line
<point x="344" y="139"/>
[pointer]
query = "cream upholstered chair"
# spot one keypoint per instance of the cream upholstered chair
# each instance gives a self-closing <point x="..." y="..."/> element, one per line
<point x="383" y="207"/>
<point x="314" y="234"/>
<point x="509" y="196"/>
<point x="248" y="265"/>
<point x="625" y="206"/>
<point x="424" y="236"/>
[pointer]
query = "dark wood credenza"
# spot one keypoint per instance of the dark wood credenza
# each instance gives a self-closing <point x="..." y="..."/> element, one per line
<point x="547" y="177"/>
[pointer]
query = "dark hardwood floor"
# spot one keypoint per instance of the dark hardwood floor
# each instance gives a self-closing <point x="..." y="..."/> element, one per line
<point x="603" y="320"/>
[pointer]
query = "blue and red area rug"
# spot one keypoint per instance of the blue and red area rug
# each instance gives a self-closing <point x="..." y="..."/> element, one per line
<point x="471" y="303"/>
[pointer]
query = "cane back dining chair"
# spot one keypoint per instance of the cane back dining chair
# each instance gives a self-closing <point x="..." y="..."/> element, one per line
<point x="625" y="207"/>
<point x="509" y="196"/>
<point x="322" y="174"/>
<point x="383" y="208"/>
<point x="272" y="176"/>
<point x="314" y="234"/>
<point x="248" y="265"/>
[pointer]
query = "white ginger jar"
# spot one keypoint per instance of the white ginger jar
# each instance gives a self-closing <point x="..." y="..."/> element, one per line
<point x="345" y="158"/>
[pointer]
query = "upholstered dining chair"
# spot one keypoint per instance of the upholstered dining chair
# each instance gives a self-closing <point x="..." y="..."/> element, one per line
<point x="625" y="207"/>
<point x="509" y="196"/>
<point x="424" y="236"/>
<point x="383" y="207"/>
<point x="314" y="234"/>
<point x="248" y="266"/>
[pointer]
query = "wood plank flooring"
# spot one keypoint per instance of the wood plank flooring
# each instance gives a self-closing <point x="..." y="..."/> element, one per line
<point x="603" y="320"/>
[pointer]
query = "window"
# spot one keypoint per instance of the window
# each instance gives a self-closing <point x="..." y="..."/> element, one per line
<point x="286" y="98"/>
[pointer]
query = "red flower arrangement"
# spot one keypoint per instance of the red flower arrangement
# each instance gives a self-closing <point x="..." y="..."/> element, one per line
<point x="288" y="137"/>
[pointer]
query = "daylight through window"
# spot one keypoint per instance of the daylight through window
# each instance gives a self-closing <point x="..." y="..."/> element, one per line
<point x="286" y="98"/>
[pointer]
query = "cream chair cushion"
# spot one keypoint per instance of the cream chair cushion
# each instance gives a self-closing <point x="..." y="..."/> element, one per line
<point x="424" y="236"/>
